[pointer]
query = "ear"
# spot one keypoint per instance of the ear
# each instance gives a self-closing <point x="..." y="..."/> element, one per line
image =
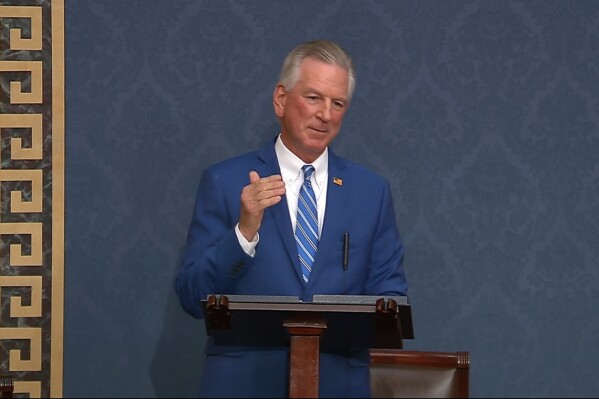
<point x="278" y="100"/>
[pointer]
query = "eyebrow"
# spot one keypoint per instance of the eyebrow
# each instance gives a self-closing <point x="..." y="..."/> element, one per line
<point x="311" y="90"/>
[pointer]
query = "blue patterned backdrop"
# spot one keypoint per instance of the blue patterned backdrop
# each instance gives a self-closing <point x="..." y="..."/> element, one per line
<point x="484" y="115"/>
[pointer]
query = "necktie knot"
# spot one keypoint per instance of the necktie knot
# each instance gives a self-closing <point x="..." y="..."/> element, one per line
<point x="308" y="170"/>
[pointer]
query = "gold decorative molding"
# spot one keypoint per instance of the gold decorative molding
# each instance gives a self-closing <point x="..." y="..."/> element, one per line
<point x="58" y="161"/>
<point x="28" y="121"/>
<point x="33" y="388"/>
<point x="17" y="309"/>
<point x="32" y="133"/>
<point x="17" y="95"/>
<point x="34" y="14"/>
<point x="32" y="335"/>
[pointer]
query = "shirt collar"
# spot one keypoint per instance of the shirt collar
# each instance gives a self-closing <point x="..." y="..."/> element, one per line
<point x="291" y="165"/>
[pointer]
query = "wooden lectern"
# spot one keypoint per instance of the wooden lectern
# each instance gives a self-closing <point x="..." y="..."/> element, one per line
<point x="329" y="322"/>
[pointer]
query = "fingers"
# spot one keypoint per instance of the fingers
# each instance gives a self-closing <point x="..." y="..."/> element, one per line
<point x="261" y="193"/>
<point x="265" y="191"/>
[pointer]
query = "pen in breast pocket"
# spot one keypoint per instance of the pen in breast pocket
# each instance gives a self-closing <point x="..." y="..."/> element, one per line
<point x="345" y="250"/>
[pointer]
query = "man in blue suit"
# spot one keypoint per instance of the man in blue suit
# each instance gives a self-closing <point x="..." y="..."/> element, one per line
<point x="242" y="238"/>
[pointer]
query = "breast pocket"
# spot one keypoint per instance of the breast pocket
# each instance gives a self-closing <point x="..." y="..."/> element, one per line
<point x="355" y="250"/>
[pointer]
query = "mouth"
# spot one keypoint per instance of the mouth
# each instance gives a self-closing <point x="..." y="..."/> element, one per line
<point x="319" y="130"/>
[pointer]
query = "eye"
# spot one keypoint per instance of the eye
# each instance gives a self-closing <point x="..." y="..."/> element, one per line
<point x="339" y="104"/>
<point x="312" y="98"/>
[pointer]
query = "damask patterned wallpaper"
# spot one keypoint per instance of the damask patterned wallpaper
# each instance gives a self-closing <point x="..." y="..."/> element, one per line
<point x="483" y="114"/>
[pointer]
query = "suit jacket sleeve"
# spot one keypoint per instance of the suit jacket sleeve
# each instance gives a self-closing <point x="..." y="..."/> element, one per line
<point x="387" y="275"/>
<point x="213" y="259"/>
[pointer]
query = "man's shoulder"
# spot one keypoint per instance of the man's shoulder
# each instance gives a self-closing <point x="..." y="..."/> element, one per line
<point x="245" y="159"/>
<point x="238" y="160"/>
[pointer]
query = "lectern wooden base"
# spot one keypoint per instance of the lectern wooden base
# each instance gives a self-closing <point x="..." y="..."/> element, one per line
<point x="305" y="330"/>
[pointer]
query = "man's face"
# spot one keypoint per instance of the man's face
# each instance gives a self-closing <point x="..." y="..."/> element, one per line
<point x="312" y="111"/>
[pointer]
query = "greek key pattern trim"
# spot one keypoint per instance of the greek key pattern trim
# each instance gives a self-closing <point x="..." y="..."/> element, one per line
<point x="32" y="195"/>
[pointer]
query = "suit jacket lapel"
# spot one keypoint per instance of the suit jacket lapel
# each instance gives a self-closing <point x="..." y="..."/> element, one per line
<point x="280" y="211"/>
<point x="334" y="213"/>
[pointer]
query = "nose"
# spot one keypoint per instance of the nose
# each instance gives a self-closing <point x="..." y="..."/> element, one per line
<point x="324" y="113"/>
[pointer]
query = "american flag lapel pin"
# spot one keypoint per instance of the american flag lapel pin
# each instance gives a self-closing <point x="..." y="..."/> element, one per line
<point x="337" y="181"/>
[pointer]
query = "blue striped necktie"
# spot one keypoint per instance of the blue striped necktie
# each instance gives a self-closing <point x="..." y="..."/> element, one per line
<point x="306" y="228"/>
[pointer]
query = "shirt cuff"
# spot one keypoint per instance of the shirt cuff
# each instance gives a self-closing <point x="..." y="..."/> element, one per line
<point x="249" y="247"/>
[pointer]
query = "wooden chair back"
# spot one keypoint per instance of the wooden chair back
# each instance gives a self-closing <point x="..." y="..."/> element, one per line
<point x="413" y="374"/>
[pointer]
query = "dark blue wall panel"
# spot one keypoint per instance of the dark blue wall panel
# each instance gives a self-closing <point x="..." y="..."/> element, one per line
<point x="483" y="114"/>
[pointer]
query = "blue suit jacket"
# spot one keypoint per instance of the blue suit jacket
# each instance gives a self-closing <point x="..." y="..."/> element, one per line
<point x="214" y="263"/>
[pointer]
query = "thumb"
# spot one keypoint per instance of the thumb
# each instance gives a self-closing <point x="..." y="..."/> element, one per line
<point x="254" y="176"/>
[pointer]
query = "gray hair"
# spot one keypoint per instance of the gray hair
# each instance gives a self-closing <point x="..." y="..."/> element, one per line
<point x="321" y="50"/>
